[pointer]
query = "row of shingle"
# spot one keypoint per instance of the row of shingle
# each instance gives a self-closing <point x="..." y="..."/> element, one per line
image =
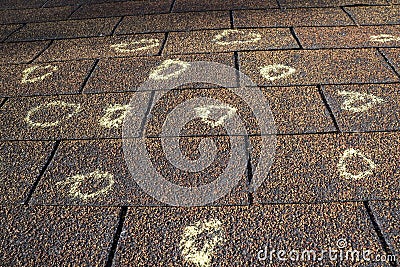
<point x="298" y="67"/>
<point x="306" y="169"/>
<point x="43" y="29"/>
<point x="296" y="110"/>
<point x="98" y="8"/>
<point x="180" y="5"/>
<point x="363" y="15"/>
<point x="157" y="236"/>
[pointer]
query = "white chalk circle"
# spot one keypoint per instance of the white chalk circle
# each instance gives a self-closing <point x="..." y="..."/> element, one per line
<point x="201" y="257"/>
<point x="240" y="37"/>
<point x="383" y="38"/>
<point x="276" y="72"/>
<point x="133" y="46"/>
<point x="78" y="180"/>
<point x="55" y="104"/>
<point x="168" y="69"/>
<point x="29" y="72"/>
<point x="109" y="121"/>
<point x="342" y="165"/>
<point x="204" y="112"/>
<point x="365" y="101"/>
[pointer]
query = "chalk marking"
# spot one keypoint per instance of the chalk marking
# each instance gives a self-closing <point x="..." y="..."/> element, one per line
<point x="30" y="70"/>
<point x="59" y="104"/>
<point x="253" y="37"/>
<point x="205" y="111"/>
<point x="202" y="257"/>
<point x="267" y="71"/>
<point x="342" y="167"/>
<point x="77" y="180"/>
<point x="146" y="44"/>
<point x="107" y="120"/>
<point x="163" y="67"/>
<point x="383" y="38"/>
<point x="352" y="97"/>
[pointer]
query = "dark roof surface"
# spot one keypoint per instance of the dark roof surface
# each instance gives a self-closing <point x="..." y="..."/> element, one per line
<point x="70" y="69"/>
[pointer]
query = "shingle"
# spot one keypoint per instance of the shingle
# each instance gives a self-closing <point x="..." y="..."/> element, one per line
<point x="349" y="37"/>
<point x="361" y="108"/>
<point x="372" y="15"/>
<point x="387" y="216"/>
<point x="127" y="74"/>
<point x="229" y="40"/>
<point x="104" y="47"/>
<point x="221" y="236"/>
<point x="21" y="52"/>
<point x="65" y="29"/>
<point x="54" y="236"/>
<point x="122" y="8"/>
<point x="35" y="14"/>
<point x="291" y="17"/>
<point x="21" y="164"/>
<point x="329" y="167"/>
<point x="305" y="67"/>
<point x="44" y="79"/>
<point x="69" y="116"/>
<point x="174" y="22"/>
<point x="96" y="172"/>
<point x="198" y="5"/>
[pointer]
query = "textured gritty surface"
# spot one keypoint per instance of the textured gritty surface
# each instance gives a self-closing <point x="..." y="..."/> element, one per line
<point x="373" y="15"/>
<point x="328" y="3"/>
<point x="393" y="56"/>
<point x="55" y="3"/>
<point x="369" y="107"/>
<point x="291" y="17"/>
<point x="348" y="37"/>
<point x="322" y="66"/>
<point x="104" y="47"/>
<point x="106" y="156"/>
<point x="10" y="4"/>
<point x="21" y="163"/>
<point x="51" y="3"/>
<point x="123" y="8"/>
<point x="387" y="216"/>
<point x="6" y="30"/>
<point x="306" y="168"/>
<point x="298" y="110"/>
<point x="65" y="29"/>
<point x="294" y="110"/>
<point x="43" y="79"/>
<point x="199" y="5"/>
<point x="82" y="158"/>
<point x="54" y="236"/>
<point x="35" y="14"/>
<point x="335" y="112"/>
<point x="79" y="116"/>
<point x="152" y="236"/>
<point x="58" y="3"/>
<point x="20" y="52"/>
<point x="174" y="22"/>
<point x="214" y="168"/>
<point x="127" y="74"/>
<point x="234" y="40"/>
<point x="227" y="100"/>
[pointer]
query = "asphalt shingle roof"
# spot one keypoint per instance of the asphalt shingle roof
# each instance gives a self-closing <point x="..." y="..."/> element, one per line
<point x="70" y="71"/>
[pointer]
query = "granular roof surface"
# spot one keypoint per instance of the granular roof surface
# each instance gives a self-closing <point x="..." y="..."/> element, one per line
<point x="199" y="133"/>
